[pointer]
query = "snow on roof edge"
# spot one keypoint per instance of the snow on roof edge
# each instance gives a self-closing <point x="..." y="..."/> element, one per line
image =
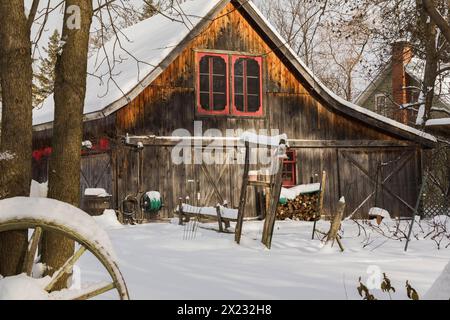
<point x="317" y="81"/>
<point x="332" y="94"/>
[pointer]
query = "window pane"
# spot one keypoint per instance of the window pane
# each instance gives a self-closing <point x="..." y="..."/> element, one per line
<point x="238" y="67"/>
<point x="220" y="102"/>
<point x="204" y="83"/>
<point x="204" y="64"/>
<point x="253" y="85"/>
<point x="290" y="155"/>
<point x="219" y="84"/>
<point x="204" y="101"/>
<point x="252" y="67"/>
<point x="287" y="177"/>
<point x="219" y="66"/>
<point x="238" y="85"/>
<point x="239" y="102"/>
<point x="253" y="103"/>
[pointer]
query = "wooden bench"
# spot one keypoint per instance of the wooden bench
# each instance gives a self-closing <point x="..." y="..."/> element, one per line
<point x="223" y="214"/>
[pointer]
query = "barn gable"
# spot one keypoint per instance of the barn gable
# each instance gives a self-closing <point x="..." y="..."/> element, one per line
<point x="217" y="15"/>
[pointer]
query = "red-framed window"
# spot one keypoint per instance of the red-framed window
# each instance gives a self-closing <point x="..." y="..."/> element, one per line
<point x="247" y="86"/>
<point x="212" y="86"/>
<point x="215" y="73"/>
<point x="290" y="169"/>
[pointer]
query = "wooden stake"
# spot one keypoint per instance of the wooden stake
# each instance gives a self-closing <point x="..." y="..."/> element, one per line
<point x="321" y="197"/>
<point x="336" y="224"/>
<point x="269" y="222"/>
<point x="243" y="197"/>
<point x="32" y="248"/>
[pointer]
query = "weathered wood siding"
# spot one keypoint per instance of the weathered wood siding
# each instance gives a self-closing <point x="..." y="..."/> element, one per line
<point x="169" y="104"/>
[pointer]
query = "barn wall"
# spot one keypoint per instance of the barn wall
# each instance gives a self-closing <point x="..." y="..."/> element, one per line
<point x="169" y="104"/>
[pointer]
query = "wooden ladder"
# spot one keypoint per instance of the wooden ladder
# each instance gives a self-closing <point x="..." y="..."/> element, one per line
<point x="273" y="191"/>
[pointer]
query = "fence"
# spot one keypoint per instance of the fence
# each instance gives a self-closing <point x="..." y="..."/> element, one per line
<point x="436" y="194"/>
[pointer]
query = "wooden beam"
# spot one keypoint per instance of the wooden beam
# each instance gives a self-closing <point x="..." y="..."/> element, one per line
<point x="269" y="222"/>
<point x="95" y="292"/>
<point x="219" y="219"/>
<point x="204" y="142"/>
<point x="243" y="197"/>
<point x="66" y="268"/>
<point x="31" y="253"/>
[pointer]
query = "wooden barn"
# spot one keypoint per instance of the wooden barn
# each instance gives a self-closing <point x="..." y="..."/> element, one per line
<point x="222" y="64"/>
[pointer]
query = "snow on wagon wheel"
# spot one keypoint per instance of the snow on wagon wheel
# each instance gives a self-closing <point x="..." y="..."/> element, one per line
<point x="42" y="214"/>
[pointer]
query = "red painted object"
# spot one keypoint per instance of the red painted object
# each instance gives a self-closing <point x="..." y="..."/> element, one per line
<point x="248" y="108"/>
<point x="103" y="145"/>
<point x="206" y="70"/>
<point x="290" y="169"/>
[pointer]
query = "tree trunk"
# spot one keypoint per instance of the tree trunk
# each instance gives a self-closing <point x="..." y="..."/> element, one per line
<point x="69" y="95"/>
<point x="430" y="7"/>
<point x="431" y="65"/>
<point x="16" y="145"/>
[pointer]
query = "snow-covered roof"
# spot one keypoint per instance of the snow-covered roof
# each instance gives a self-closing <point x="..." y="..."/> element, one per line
<point x="153" y="40"/>
<point x="319" y="86"/>
<point x="141" y="50"/>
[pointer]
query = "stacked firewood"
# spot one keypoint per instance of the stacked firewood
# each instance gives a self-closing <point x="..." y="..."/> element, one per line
<point x="304" y="207"/>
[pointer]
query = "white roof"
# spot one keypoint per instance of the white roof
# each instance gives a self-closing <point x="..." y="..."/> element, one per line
<point x="143" y="47"/>
<point x="152" y="41"/>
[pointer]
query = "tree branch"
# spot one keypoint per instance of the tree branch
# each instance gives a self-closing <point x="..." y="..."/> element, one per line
<point x="437" y="18"/>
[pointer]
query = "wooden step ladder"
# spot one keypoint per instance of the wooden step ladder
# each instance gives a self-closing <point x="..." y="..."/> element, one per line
<point x="273" y="191"/>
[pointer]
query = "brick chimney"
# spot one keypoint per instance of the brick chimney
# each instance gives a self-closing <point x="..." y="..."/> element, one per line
<point x="401" y="55"/>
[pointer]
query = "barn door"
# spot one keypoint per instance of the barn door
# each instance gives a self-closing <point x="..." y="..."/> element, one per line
<point x="378" y="178"/>
<point x="96" y="172"/>
<point x="214" y="184"/>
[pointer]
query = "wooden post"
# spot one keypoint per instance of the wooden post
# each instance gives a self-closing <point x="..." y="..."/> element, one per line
<point x="269" y="222"/>
<point x="219" y="218"/>
<point x="268" y="198"/>
<point x="226" y="222"/>
<point x="243" y="197"/>
<point x="321" y="197"/>
<point x="416" y="209"/>
<point x="336" y="224"/>
<point x="180" y="212"/>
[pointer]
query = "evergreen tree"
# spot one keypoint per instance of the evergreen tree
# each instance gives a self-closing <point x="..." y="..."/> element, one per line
<point x="149" y="9"/>
<point x="45" y="78"/>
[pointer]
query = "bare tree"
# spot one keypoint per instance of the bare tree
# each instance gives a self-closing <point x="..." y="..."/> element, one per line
<point x="298" y="22"/>
<point x="344" y="49"/>
<point x="15" y="148"/>
<point x="70" y="91"/>
<point x="406" y="20"/>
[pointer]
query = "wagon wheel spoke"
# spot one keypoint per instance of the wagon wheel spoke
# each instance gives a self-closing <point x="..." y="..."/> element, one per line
<point x="31" y="252"/>
<point x="66" y="268"/>
<point x="94" y="291"/>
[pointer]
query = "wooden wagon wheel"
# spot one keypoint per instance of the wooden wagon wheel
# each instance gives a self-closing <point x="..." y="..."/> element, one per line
<point x="30" y="213"/>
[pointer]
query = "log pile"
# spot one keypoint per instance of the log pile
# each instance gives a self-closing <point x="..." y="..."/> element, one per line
<point x="304" y="207"/>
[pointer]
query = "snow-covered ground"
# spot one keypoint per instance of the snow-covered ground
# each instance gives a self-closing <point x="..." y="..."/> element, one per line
<point x="158" y="264"/>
